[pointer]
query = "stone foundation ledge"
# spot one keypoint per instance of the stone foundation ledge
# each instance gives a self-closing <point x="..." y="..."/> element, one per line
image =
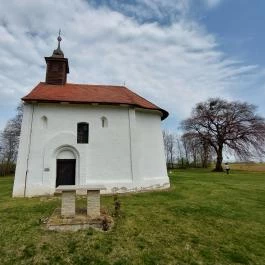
<point x="155" y="187"/>
<point x="110" y="190"/>
<point x="79" y="222"/>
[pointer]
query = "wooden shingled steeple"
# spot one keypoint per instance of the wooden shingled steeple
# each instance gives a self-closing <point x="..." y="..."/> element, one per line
<point x="57" y="66"/>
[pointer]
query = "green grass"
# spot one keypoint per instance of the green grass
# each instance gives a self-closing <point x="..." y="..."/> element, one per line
<point x="205" y="218"/>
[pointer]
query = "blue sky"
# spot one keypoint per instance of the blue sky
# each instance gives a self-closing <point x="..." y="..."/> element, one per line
<point x="174" y="53"/>
<point x="239" y="30"/>
<point x="239" y="27"/>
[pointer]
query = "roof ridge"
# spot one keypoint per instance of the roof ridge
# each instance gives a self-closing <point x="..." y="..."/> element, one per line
<point x="79" y="84"/>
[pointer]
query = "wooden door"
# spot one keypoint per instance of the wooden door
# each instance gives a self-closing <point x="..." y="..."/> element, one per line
<point x="65" y="172"/>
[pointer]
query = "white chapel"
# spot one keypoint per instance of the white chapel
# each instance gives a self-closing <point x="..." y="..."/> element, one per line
<point x="78" y="134"/>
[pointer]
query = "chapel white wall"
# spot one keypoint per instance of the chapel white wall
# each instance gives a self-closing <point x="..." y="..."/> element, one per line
<point x="150" y="148"/>
<point x="128" y="154"/>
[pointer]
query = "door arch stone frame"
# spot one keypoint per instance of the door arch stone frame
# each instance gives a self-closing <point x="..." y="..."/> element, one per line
<point x="77" y="161"/>
<point x="58" y="143"/>
<point x="75" y="152"/>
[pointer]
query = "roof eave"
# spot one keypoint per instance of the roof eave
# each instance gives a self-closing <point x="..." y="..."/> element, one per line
<point x="28" y="100"/>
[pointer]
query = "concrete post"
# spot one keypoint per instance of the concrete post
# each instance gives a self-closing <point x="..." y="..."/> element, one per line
<point x="68" y="204"/>
<point x="93" y="203"/>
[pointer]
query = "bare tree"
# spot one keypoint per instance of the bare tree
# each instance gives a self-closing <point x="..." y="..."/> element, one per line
<point x="192" y="147"/>
<point x="9" y="141"/>
<point x="198" y="149"/>
<point x="180" y="150"/>
<point x="234" y="125"/>
<point x="186" y="147"/>
<point x="169" y="145"/>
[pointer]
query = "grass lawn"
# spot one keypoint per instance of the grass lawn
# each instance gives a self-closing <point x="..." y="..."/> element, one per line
<point x="205" y="218"/>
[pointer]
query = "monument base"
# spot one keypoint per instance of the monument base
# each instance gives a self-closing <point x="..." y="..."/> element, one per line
<point x="78" y="222"/>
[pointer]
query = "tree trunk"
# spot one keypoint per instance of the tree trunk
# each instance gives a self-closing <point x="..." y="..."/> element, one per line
<point x="218" y="166"/>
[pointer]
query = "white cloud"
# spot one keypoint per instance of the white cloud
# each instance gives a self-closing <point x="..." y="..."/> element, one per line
<point x="149" y="10"/>
<point x="175" y="65"/>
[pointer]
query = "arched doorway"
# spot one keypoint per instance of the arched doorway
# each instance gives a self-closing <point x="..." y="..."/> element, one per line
<point x="65" y="168"/>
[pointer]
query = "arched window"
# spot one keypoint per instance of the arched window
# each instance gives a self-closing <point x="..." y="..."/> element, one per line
<point x="82" y="132"/>
<point x="44" y="122"/>
<point x="104" y="122"/>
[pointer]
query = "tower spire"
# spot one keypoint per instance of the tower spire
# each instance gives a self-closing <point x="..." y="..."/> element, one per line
<point x="58" y="52"/>
<point x="59" y="39"/>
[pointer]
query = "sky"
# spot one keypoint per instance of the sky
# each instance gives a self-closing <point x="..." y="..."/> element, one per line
<point x="173" y="53"/>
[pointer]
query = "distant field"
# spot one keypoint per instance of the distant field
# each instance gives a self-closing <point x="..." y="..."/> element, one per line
<point x="248" y="166"/>
<point x="205" y="218"/>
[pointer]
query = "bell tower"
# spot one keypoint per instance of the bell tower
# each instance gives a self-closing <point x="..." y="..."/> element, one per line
<point x="57" y="66"/>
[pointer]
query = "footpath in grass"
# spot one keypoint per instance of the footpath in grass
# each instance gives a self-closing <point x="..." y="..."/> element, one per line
<point x="205" y="218"/>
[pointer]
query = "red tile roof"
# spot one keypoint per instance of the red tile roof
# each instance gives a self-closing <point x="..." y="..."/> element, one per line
<point x="81" y="94"/>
